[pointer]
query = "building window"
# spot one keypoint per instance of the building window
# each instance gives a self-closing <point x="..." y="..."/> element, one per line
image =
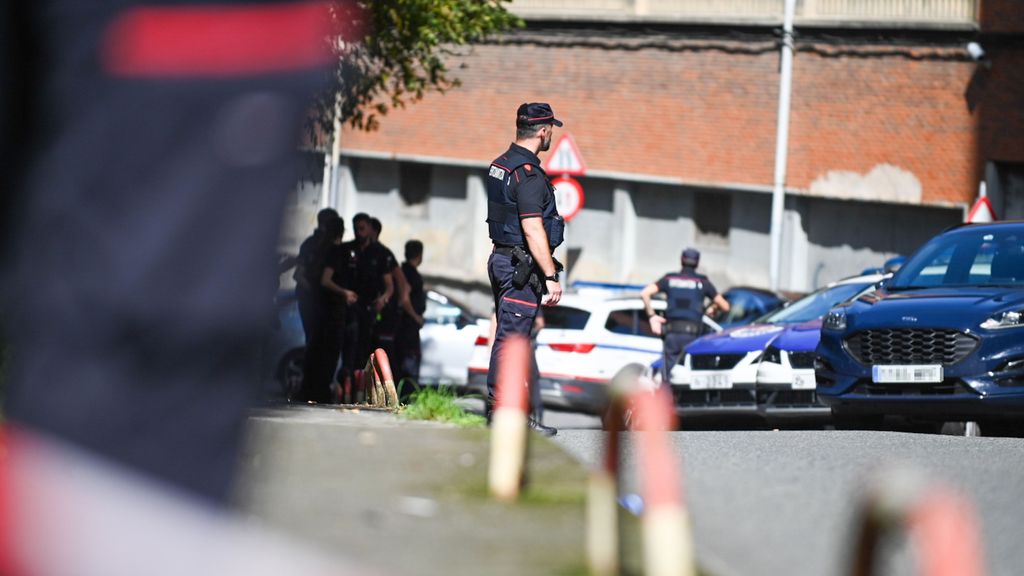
<point x="414" y="182"/>
<point x="712" y="214"/>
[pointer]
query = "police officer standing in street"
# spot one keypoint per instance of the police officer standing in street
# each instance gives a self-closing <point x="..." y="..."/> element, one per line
<point x="685" y="293"/>
<point x="525" y="228"/>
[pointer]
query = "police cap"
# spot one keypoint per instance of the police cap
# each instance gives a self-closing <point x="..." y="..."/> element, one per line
<point x="691" y="256"/>
<point x="536" y="113"/>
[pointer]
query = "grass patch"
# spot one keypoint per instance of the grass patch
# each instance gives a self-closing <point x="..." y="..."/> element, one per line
<point x="438" y="404"/>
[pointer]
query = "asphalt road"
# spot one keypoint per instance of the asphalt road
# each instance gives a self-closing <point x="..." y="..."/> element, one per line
<point x="781" y="503"/>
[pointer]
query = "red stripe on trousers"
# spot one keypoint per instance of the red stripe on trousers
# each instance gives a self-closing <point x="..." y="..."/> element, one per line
<point x="530" y="304"/>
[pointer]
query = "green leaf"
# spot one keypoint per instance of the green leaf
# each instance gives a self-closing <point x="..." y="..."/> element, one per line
<point x="402" y="56"/>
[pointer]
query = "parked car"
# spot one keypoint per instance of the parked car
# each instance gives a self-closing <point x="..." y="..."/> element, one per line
<point x="942" y="340"/>
<point x="721" y="373"/>
<point x="446" y="340"/>
<point x="888" y="267"/>
<point x="747" y="304"/>
<point x="785" y="373"/>
<point x="585" y="341"/>
<point x="286" y="348"/>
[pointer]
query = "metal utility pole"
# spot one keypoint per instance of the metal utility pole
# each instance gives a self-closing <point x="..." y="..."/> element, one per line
<point x="781" y="145"/>
<point x="329" y="192"/>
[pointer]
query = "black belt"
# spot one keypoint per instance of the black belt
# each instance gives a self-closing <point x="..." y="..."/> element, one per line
<point x="683" y="326"/>
<point x="504" y="249"/>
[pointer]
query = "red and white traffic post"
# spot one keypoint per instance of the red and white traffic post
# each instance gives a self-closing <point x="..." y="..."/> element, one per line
<point x="566" y="161"/>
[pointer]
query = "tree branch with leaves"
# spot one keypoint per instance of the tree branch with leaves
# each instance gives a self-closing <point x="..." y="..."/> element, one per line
<point x="401" y="53"/>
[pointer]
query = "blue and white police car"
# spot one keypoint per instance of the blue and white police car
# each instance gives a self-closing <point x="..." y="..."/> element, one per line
<point x="587" y="338"/>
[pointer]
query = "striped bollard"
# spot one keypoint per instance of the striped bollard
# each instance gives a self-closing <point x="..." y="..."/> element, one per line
<point x="604" y="544"/>
<point x="387" y="378"/>
<point x="509" y="431"/>
<point x="940" y="525"/>
<point x="379" y="397"/>
<point x="668" y="541"/>
<point x="369" y="375"/>
<point x="346" y="388"/>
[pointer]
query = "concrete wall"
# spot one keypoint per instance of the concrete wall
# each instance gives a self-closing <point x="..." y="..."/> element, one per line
<point x="627" y="232"/>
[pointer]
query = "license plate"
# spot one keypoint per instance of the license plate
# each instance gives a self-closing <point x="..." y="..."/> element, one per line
<point x="804" y="380"/>
<point x="716" y="381"/>
<point x="906" y="374"/>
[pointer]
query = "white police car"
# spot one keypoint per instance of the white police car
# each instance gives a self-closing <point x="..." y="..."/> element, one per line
<point x="585" y="341"/>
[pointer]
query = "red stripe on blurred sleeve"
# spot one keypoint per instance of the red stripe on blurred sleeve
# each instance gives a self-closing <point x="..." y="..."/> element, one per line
<point x="176" y="41"/>
<point x="9" y="564"/>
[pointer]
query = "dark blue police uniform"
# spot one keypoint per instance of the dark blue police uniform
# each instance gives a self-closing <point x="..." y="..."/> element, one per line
<point x="685" y="291"/>
<point x="517" y="188"/>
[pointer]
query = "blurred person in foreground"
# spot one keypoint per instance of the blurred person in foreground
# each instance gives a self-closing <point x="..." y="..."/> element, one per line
<point x="150" y="213"/>
<point x="525" y="228"/>
<point x="685" y="292"/>
<point x="154" y="162"/>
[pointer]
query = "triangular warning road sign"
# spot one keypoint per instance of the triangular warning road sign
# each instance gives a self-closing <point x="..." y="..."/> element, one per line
<point x="565" y="158"/>
<point x="982" y="211"/>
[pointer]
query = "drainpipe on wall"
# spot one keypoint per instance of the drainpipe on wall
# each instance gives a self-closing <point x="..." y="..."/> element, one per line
<point x="781" y="146"/>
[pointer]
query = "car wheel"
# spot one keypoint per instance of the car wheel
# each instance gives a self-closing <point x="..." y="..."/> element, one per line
<point x="960" y="429"/>
<point x="1004" y="428"/>
<point x="289" y="372"/>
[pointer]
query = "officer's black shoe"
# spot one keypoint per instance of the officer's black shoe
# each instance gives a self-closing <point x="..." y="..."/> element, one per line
<point x="548" y="431"/>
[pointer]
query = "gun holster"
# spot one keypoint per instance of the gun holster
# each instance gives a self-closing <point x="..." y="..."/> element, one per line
<point x="524" y="271"/>
<point x="522" y="267"/>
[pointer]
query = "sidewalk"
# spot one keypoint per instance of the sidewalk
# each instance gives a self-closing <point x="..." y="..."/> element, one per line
<point x="408" y="497"/>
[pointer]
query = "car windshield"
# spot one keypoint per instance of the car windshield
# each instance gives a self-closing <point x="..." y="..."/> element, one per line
<point x="744" y="305"/>
<point x="443" y="310"/>
<point x="816" y="304"/>
<point x="565" y="318"/>
<point x="969" y="257"/>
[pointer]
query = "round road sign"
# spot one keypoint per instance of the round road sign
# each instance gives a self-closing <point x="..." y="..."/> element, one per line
<point x="568" y="196"/>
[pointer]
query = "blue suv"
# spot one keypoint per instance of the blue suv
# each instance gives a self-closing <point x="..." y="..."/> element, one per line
<point x="942" y="340"/>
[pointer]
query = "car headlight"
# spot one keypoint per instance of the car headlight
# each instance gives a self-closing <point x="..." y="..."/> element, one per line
<point x="1013" y="319"/>
<point x="835" y="320"/>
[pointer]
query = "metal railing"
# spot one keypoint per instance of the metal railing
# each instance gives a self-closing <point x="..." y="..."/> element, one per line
<point x="957" y="13"/>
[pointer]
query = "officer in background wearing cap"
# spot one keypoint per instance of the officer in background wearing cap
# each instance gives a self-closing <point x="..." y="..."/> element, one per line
<point x="523" y="223"/>
<point x="685" y="293"/>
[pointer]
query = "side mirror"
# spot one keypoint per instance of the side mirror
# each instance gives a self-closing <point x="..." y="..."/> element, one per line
<point x="461" y="322"/>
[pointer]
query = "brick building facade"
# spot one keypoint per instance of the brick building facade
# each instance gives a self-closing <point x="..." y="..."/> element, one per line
<point x="677" y="124"/>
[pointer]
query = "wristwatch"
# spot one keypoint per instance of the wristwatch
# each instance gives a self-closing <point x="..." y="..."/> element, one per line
<point x="552" y="278"/>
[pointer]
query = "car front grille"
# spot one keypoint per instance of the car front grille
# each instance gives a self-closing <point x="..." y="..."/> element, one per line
<point x="801" y="359"/>
<point x="780" y="398"/>
<point x="910" y="346"/>
<point x="715" y="398"/>
<point x="947" y="388"/>
<point x="714" y="361"/>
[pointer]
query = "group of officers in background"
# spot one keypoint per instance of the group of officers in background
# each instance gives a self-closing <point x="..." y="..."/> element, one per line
<point x="353" y="298"/>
